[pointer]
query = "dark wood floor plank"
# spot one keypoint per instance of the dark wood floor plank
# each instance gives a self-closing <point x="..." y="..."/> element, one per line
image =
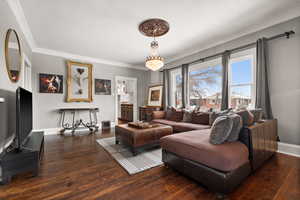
<point x="291" y="187"/>
<point x="76" y="167"/>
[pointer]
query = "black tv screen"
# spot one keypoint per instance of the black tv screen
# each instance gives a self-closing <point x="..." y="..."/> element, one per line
<point x="24" y="115"/>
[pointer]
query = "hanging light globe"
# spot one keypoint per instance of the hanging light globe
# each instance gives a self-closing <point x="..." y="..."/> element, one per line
<point x="154" y="62"/>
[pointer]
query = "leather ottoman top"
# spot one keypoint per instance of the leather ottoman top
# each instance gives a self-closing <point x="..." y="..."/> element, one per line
<point x="140" y="130"/>
<point x="195" y="146"/>
<point x="138" y="137"/>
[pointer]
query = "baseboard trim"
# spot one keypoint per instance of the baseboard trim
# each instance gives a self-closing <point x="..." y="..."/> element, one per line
<point x="56" y="131"/>
<point x="49" y="131"/>
<point x="289" y="149"/>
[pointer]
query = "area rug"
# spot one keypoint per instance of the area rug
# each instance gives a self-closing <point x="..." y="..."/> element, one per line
<point x="132" y="164"/>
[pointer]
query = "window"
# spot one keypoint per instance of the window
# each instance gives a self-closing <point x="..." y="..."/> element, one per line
<point x="176" y="88"/>
<point x="242" y="79"/>
<point x="205" y="85"/>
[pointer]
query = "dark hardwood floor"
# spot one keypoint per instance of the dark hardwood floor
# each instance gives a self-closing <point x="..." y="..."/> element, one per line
<point x="76" y="167"/>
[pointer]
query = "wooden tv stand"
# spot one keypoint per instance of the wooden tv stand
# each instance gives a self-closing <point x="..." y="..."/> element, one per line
<point x="26" y="160"/>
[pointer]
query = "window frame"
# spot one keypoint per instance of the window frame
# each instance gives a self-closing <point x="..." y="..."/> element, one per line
<point x="238" y="57"/>
<point x="173" y="74"/>
<point x="198" y="66"/>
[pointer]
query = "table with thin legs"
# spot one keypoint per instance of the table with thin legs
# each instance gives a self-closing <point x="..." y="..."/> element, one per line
<point x="92" y="125"/>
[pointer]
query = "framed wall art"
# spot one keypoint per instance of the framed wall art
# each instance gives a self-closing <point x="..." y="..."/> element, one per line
<point x="155" y="96"/>
<point x="79" y="82"/>
<point x="102" y="87"/>
<point x="50" y="83"/>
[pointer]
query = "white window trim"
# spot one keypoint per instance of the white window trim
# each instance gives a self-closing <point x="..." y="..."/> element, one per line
<point x="240" y="56"/>
<point x="173" y="74"/>
<point x="205" y="64"/>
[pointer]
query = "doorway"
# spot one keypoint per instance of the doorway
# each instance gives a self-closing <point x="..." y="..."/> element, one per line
<point x="126" y="99"/>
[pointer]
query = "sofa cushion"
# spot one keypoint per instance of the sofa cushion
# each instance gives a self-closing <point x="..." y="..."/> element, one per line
<point x="174" y="114"/>
<point x="220" y="130"/>
<point x="214" y="115"/>
<point x="183" y="127"/>
<point x="165" y="121"/>
<point x="187" y="116"/>
<point x="237" y="124"/>
<point x="158" y="114"/>
<point x="247" y="117"/>
<point x="195" y="146"/>
<point x="169" y="112"/>
<point x="257" y="113"/>
<point x="200" y="118"/>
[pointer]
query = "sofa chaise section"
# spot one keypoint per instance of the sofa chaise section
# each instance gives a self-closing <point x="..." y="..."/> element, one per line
<point x="221" y="168"/>
<point x="195" y="145"/>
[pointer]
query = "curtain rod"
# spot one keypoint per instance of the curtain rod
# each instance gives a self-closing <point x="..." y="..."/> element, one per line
<point x="285" y="34"/>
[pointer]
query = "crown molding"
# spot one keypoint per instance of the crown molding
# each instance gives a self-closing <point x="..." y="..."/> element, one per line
<point x="175" y="59"/>
<point x="17" y="10"/>
<point x="80" y="58"/>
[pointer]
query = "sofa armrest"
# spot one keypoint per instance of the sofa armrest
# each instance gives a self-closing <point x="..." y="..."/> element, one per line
<point x="158" y="114"/>
<point x="263" y="141"/>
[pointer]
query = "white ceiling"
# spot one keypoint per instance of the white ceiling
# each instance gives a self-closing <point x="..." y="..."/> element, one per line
<point x="108" y="29"/>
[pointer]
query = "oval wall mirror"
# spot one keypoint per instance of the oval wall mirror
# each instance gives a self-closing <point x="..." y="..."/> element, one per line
<point x="13" y="55"/>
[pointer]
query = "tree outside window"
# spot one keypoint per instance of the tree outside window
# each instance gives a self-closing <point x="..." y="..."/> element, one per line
<point x="205" y="87"/>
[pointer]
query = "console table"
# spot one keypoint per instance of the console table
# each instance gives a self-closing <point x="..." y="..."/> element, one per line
<point x="92" y="125"/>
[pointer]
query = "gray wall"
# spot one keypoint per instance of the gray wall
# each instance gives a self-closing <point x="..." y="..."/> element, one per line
<point x="46" y="105"/>
<point x="8" y="20"/>
<point x="284" y="57"/>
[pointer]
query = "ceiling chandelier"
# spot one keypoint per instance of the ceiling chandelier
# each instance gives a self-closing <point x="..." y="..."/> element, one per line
<point x="154" y="28"/>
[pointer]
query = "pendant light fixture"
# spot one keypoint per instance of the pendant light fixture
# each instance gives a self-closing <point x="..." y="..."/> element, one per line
<point x="154" y="28"/>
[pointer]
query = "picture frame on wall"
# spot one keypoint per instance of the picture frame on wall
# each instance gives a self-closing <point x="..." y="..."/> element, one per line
<point x="155" y="95"/>
<point x="79" y="82"/>
<point x="51" y="83"/>
<point x="102" y="87"/>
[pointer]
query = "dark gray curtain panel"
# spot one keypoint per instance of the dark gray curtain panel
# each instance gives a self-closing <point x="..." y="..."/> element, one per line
<point x="225" y="90"/>
<point x="262" y="82"/>
<point x="166" y="88"/>
<point x="185" y="85"/>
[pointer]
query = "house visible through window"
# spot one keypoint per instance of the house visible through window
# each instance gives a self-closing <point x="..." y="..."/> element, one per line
<point x="242" y="80"/>
<point x="176" y="88"/>
<point x="205" y="85"/>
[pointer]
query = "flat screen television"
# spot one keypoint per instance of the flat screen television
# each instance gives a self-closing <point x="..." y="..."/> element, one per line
<point x="23" y="116"/>
<point x="7" y="118"/>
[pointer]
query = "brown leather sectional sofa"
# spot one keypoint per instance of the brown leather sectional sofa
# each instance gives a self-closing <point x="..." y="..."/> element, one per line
<point x="220" y="168"/>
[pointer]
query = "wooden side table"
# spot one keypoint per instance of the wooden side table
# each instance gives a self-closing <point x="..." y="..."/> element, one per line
<point x="145" y="112"/>
<point x="127" y="112"/>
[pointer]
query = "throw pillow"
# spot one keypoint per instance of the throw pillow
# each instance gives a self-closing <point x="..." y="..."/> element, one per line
<point x="220" y="130"/>
<point x="200" y="118"/>
<point x="247" y="117"/>
<point x="187" y="116"/>
<point x="169" y="112"/>
<point x="257" y="113"/>
<point x="236" y="127"/>
<point x="174" y="115"/>
<point x="214" y="115"/>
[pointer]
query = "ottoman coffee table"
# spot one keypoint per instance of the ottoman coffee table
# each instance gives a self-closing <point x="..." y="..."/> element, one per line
<point x="137" y="139"/>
